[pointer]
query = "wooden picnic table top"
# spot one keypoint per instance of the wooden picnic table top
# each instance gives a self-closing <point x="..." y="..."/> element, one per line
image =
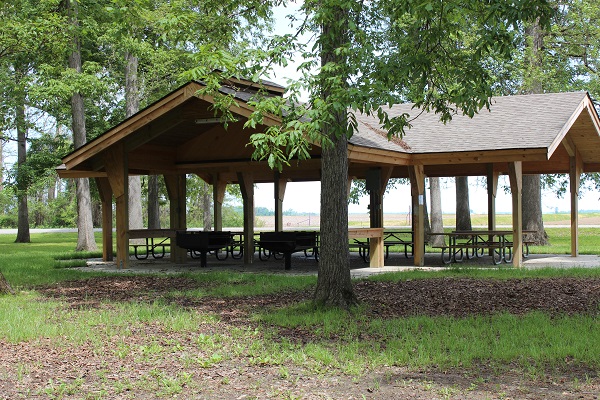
<point x="151" y="233"/>
<point x="355" y="233"/>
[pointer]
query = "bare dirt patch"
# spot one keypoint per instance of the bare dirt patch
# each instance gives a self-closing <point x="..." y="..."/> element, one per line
<point x="43" y="369"/>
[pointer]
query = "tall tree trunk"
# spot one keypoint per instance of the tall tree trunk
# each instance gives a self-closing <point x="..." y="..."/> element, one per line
<point x="532" y="209"/>
<point x="52" y="190"/>
<point x="22" y="179"/>
<point x="132" y="106"/>
<point x="153" y="206"/>
<point x="532" y="193"/>
<point x="437" y="223"/>
<point x="206" y="208"/>
<point x="463" y="210"/>
<point x="85" y="226"/>
<point x="334" y="286"/>
<point x="1" y="162"/>
<point x="426" y="223"/>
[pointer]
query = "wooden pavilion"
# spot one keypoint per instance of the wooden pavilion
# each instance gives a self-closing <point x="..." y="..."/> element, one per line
<point x="179" y="135"/>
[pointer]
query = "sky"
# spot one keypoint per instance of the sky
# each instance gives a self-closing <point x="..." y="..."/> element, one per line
<point x="305" y="197"/>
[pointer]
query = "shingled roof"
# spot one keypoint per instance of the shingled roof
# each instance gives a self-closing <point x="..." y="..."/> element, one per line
<point x="513" y="122"/>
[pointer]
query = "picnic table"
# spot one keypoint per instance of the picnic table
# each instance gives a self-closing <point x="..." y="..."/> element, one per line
<point x="287" y="243"/>
<point x="474" y="243"/>
<point x="204" y="242"/>
<point x="155" y="242"/>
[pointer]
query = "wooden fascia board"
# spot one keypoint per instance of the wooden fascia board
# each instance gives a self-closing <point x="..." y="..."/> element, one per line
<point x="360" y="154"/>
<point x="593" y="114"/>
<point x="478" y="157"/>
<point x="73" y="173"/>
<point x="257" y="85"/>
<point x="122" y="130"/>
<point x="567" y="126"/>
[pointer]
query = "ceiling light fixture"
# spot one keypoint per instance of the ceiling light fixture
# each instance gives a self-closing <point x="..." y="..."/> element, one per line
<point x="205" y="121"/>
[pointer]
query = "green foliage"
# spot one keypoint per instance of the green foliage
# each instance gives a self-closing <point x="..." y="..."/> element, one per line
<point x="377" y="54"/>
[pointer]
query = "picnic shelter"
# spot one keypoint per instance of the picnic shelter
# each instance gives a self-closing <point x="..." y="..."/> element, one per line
<point x="179" y="134"/>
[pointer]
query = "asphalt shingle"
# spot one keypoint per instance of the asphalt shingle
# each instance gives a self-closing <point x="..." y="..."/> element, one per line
<point x="514" y="122"/>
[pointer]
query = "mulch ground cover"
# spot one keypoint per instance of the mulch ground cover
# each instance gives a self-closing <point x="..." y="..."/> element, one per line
<point x="457" y="297"/>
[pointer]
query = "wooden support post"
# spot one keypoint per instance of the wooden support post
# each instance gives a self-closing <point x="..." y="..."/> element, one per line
<point x="246" y="181"/>
<point x="492" y="190"/>
<point x="377" y="179"/>
<point x="515" y="173"/>
<point x="279" y="193"/>
<point x="575" y="169"/>
<point x="106" y="196"/>
<point x="417" y="186"/>
<point x="373" y="185"/>
<point x="176" y="189"/>
<point x="219" y="188"/>
<point x="116" y="164"/>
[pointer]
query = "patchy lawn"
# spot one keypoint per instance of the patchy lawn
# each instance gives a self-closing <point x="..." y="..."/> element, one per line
<point x="226" y="352"/>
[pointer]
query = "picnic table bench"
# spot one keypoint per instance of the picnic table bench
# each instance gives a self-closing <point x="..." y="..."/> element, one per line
<point x="287" y="243"/>
<point x="204" y="242"/>
<point x="474" y="243"/>
<point x="155" y="242"/>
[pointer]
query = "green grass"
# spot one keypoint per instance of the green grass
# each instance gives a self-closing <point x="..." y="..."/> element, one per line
<point x="559" y="242"/>
<point x="350" y="342"/>
<point x="236" y="284"/>
<point x="534" y="340"/>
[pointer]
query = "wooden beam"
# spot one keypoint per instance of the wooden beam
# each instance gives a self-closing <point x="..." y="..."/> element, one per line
<point x="279" y="194"/>
<point x="116" y="169"/>
<point x="386" y="174"/>
<point x="417" y="185"/>
<point x="478" y="157"/>
<point x="176" y="190"/>
<point x="73" y="173"/>
<point x="246" y="182"/>
<point x="358" y="154"/>
<point x="106" y="196"/>
<point x="569" y="146"/>
<point x="515" y="174"/>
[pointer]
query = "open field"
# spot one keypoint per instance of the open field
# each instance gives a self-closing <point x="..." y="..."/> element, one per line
<point x="393" y="220"/>
<point x="454" y="334"/>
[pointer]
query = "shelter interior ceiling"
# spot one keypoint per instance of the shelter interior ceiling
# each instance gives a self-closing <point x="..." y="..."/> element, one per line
<point x="169" y="140"/>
